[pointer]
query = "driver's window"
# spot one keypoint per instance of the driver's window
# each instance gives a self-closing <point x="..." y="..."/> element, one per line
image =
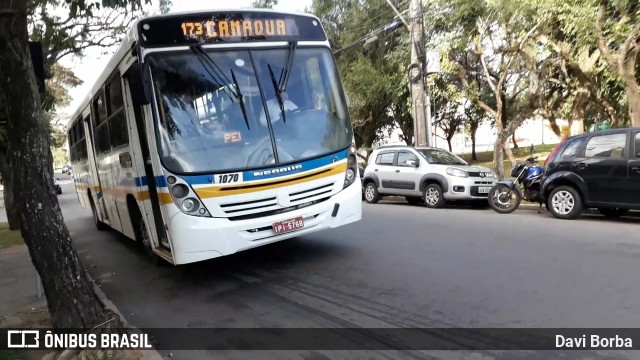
<point x="404" y="156"/>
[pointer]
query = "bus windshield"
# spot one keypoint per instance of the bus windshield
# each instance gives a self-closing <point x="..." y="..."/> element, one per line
<point x="211" y="108"/>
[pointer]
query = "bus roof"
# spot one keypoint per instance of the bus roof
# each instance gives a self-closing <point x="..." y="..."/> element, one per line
<point x="131" y="38"/>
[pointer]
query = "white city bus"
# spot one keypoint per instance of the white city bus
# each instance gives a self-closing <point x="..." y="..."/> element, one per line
<point x="173" y="146"/>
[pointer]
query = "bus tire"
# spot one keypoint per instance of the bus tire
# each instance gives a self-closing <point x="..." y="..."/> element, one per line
<point x="143" y="238"/>
<point x="99" y="224"/>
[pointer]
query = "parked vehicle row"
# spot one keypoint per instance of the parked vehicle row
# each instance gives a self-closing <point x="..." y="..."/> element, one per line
<point x="66" y="169"/>
<point x="594" y="170"/>
<point x="424" y="174"/>
<point x="56" y="186"/>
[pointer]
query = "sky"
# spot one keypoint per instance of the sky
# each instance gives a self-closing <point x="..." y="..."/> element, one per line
<point x="88" y="67"/>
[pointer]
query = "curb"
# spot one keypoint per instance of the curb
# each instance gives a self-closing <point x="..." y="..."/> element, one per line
<point x="150" y="354"/>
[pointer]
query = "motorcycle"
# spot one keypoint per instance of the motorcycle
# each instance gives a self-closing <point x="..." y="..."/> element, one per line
<point x="505" y="196"/>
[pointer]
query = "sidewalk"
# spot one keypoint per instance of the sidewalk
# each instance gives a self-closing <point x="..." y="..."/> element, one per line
<point x="3" y="213"/>
<point x="24" y="305"/>
<point x="18" y="285"/>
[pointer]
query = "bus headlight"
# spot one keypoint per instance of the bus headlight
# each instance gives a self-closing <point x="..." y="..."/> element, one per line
<point x="185" y="198"/>
<point x="190" y="205"/>
<point x="352" y="170"/>
<point x="350" y="175"/>
<point x="179" y="191"/>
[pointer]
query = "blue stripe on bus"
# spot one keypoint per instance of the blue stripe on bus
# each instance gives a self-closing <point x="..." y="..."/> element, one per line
<point x="294" y="168"/>
<point x="254" y="174"/>
<point x="159" y="180"/>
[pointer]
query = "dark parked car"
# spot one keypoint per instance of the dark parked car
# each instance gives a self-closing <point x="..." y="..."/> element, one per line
<point x="56" y="186"/>
<point x="594" y="170"/>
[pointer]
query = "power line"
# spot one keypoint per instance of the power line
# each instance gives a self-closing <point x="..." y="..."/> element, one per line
<point x="372" y="36"/>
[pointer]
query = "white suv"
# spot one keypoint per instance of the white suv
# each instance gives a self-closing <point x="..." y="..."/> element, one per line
<point x="432" y="175"/>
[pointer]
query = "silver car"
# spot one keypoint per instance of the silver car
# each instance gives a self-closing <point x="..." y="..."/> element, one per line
<point x="431" y="175"/>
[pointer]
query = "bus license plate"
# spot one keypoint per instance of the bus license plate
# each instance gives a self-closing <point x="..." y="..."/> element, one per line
<point x="484" y="190"/>
<point x="285" y="226"/>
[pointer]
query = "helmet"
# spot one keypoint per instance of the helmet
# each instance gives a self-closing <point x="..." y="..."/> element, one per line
<point x="533" y="171"/>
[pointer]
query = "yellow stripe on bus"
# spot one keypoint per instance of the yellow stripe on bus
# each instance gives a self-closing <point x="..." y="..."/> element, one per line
<point x="216" y="191"/>
<point x="164" y="198"/>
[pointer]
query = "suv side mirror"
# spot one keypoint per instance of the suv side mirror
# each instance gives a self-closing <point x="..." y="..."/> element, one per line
<point x="414" y="163"/>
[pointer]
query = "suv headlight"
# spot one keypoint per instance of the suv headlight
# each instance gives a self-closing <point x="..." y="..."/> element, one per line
<point x="352" y="167"/>
<point x="457" y="172"/>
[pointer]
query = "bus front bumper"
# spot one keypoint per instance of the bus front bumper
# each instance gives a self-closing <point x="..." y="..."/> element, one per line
<point x="197" y="238"/>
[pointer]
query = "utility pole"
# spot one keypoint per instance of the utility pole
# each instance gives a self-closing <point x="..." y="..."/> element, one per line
<point x="416" y="78"/>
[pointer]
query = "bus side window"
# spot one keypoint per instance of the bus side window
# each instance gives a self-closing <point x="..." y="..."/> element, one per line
<point x="118" y="134"/>
<point x="101" y="124"/>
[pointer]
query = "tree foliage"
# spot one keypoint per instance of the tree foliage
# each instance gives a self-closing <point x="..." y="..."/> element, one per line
<point x="372" y="63"/>
<point x="267" y="4"/>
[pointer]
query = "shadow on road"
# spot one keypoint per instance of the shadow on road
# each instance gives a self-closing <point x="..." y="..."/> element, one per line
<point x="449" y="206"/>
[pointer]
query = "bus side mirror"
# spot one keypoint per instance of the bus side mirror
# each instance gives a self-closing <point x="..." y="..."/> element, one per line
<point x="139" y="84"/>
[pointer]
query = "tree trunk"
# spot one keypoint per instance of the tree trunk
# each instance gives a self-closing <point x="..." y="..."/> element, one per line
<point x="633" y="97"/>
<point x="498" y="157"/>
<point x="474" y="129"/>
<point x="610" y="110"/>
<point x="449" y="144"/>
<point x="71" y="299"/>
<point x="509" y="153"/>
<point x="555" y="128"/>
<point x="576" y="123"/>
<point x="513" y="140"/>
<point x="13" y="217"/>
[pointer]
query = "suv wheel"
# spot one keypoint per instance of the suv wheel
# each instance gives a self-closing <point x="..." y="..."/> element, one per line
<point x="613" y="213"/>
<point x="565" y="203"/>
<point x="371" y="193"/>
<point x="433" y="196"/>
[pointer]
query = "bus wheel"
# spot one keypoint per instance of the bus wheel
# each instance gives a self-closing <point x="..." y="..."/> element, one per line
<point x="99" y="224"/>
<point x="145" y="240"/>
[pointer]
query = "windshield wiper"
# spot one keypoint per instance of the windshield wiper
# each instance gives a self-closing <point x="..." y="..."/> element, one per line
<point x="241" y="99"/>
<point x="278" y="93"/>
<point x="219" y="75"/>
<point x="284" y="75"/>
<point x="280" y="86"/>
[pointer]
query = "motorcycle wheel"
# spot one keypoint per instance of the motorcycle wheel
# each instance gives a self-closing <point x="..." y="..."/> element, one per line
<point x="503" y="199"/>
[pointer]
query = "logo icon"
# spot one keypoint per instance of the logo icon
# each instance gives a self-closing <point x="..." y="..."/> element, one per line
<point x="483" y="174"/>
<point x="283" y="200"/>
<point x="20" y="339"/>
<point x="277" y="171"/>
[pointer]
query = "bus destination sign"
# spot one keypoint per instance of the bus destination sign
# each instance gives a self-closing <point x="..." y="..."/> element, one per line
<point x="228" y="28"/>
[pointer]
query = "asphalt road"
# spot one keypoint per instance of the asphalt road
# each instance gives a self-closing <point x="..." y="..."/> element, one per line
<point x="401" y="266"/>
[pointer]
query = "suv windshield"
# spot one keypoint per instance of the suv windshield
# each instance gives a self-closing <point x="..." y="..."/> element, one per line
<point x="207" y="124"/>
<point x="439" y="156"/>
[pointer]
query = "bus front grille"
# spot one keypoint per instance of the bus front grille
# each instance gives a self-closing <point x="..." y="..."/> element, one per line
<point x="270" y="206"/>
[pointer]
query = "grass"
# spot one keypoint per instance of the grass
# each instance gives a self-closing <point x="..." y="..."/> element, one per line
<point x="9" y="238"/>
<point x="485" y="158"/>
